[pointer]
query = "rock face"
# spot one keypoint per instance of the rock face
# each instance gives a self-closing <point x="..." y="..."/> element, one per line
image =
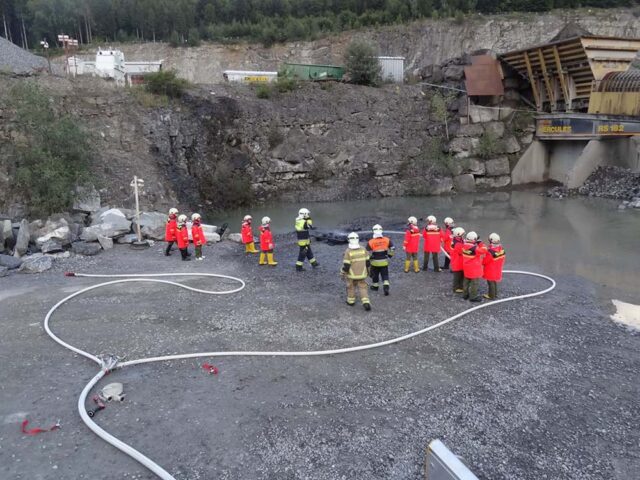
<point x="36" y="264"/>
<point x="84" y="248"/>
<point x="22" y="241"/>
<point x="9" y="262"/>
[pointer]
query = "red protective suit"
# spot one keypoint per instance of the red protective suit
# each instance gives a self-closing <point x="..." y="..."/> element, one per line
<point x="456" y="254"/>
<point x="472" y="259"/>
<point x="171" y="229"/>
<point x="246" y="232"/>
<point x="182" y="236"/>
<point x="266" y="239"/>
<point x="446" y="235"/>
<point x="197" y="235"/>
<point x="411" y="239"/>
<point x="493" y="263"/>
<point x="432" y="239"/>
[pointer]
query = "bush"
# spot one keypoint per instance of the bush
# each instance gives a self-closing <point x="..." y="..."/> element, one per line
<point x="174" y="39"/>
<point x="488" y="146"/>
<point x="166" y="82"/>
<point x="194" y="38"/>
<point x="286" y="84"/>
<point x="361" y="63"/>
<point x="319" y="170"/>
<point x="54" y="159"/>
<point x="147" y="99"/>
<point x="263" y="90"/>
<point x="230" y="188"/>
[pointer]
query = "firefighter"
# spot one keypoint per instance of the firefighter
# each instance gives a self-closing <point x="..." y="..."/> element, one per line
<point x="247" y="235"/>
<point x="446" y="240"/>
<point x="197" y="235"/>
<point x="456" y="259"/>
<point x="411" y="244"/>
<point x="303" y="226"/>
<point x="355" y="267"/>
<point x="266" y="243"/>
<point x="171" y="230"/>
<point x="493" y="263"/>
<point x="381" y="250"/>
<point x="432" y="241"/>
<point x="182" y="236"/>
<point x="472" y="253"/>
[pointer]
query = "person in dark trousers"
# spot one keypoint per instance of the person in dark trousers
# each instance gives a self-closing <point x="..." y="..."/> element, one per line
<point x="183" y="238"/>
<point x="381" y="249"/>
<point x="171" y="230"/>
<point x="447" y="234"/>
<point x="493" y="263"/>
<point x="197" y="235"/>
<point x="472" y="252"/>
<point x="303" y="226"/>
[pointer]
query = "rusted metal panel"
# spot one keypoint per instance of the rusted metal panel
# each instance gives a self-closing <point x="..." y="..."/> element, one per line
<point x="615" y="103"/>
<point x="484" y="76"/>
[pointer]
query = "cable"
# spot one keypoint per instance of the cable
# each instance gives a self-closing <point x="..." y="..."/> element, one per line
<point x="110" y="363"/>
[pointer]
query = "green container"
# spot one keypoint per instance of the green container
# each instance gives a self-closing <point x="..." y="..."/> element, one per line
<point x="303" y="71"/>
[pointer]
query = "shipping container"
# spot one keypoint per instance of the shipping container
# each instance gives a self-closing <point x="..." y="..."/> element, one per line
<point x="248" y="76"/>
<point x="303" y="71"/>
<point x="392" y="69"/>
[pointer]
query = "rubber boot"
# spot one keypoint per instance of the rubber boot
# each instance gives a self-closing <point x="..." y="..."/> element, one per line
<point x="270" y="260"/>
<point x="425" y="263"/>
<point x="367" y="306"/>
<point x="407" y="264"/>
<point x="246" y="248"/>
<point x="374" y="287"/>
<point x="263" y="259"/>
<point x="252" y="248"/>
<point x="386" y="290"/>
<point x="314" y="263"/>
<point x="299" y="268"/>
<point x="416" y="266"/>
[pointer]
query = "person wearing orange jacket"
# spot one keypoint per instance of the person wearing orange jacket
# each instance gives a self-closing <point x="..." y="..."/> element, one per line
<point x="493" y="263"/>
<point x="472" y="252"/>
<point x="197" y="235"/>
<point x="247" y="235"/>
<point x="457" y="243"/>
<point x="182" y="236"/>
<point x="411" y="244"/>
<point x="431" y="245"/>
<point x="266" y="243"/>
<point x="447" y="233"/>
<point x="171" y="230"/>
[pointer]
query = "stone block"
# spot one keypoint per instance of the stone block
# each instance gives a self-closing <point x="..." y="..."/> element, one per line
<point x="51" y="246"/>
<point x="464" y="183"/>
<point x="84" y="248"/>
<point x="473" y="166"/>
<point x="22" y="240"/>
<point x="462" y="144"/>
<point x="470" y="130"/>
<point x="482" y="115"/>
<point x="235" y="237"/>
<point x="105" y="242"/>
<point x="454" y="72"/>
<point x="497" y="166"/>
<point x="511" y="145"/>
<point x="493" y="182"/>
<point x="495" y="128"/>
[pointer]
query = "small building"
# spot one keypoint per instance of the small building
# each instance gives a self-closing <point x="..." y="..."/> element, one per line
<point x="392" y="69"/>
<point x="136" y="71"/>
<point x="249" y="76"/>
<point x="303" y="71"/>
<point x="111" y="64"/>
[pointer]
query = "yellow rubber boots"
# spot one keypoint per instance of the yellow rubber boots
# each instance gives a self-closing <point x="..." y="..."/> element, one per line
<point x="270" y="260"/>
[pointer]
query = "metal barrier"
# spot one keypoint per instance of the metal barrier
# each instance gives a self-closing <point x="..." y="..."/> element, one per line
<point x="442" y="464"/>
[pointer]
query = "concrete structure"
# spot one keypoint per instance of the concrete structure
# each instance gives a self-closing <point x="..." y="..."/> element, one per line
<point x="392" y="69"/>
<point x="249" y="76"/>
<point x="111" y="64"/>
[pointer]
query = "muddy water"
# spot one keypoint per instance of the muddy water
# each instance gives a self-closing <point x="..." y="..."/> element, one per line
<point x="583" y="236"/>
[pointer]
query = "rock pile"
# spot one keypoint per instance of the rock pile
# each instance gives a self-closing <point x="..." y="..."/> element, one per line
<point x="612" y="182"/>
<point x="17" y="60"/>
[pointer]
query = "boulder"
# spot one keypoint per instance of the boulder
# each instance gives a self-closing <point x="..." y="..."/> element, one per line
<point x="87" y="199"/>
<point x="497" y="166"/>
<point x="105" y="242"/>
<point x="152" y="225"/>
<point x="4" y="271"/>
<point x="84" y="248"/>
<point x="51" y="246"/>
<point x="470" y="130"/>
<point x="511" y="145"/>
<point x="464" y="183"/>
<point x="9" y="262"/>
<point x="22" y="240"/>
<point x="454" y="72"/>
<point x="462" y="144"/>
<point x="235" y="237"/>
<point x="54" y="230"/>
<point x="34" y="229"/>
<point x="212" y="237"/>
<point x="493" y="182"/>
<point x="482" y="115"/>
<point x="128" y="238"/>
<point x="36" y="264"/>
<point x="495" y="128"/>
<point x="474" y="166"/>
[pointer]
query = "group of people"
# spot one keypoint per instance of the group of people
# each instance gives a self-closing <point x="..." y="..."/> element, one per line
<point x="468" y="258"/>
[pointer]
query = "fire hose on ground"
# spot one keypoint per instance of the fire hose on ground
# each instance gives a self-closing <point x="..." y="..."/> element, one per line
<point x="110" y="363"/>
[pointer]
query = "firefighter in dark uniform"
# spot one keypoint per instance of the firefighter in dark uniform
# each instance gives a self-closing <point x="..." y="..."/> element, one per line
<point x="381" y="250"/>
<point x="303" y="226"/>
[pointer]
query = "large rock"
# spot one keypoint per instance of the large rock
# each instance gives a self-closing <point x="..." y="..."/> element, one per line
<point x="128" y="238"/>
<point x="495" y="128"/>
<point x="454" y="72"/>
<point x="482" y="115"/>
<point x="36" y="264"/>
<point x="105" y="242"/>
<point x="212" y="237"/>
<point x="464" y="183"/>
<point x="470" y="130"/>
<point x="498" y="166"/>
<point x="511" y="145"/>
<point x="235" y="237"/>
<point x="84" y="248"/>
<point x="493" y="182"/>
<point x="152" y="225"/>
<point x="10" y="262"/>
<point x="54" y="229"/>
<point x="87" y="199"/>
<point x="474" y="166"/>
<point x="4" y="271"/>
<point x="51" y="246"/>
<point x="110" y="223"/>
<point x="22" y="240"/>
<point x="463" y="144"/>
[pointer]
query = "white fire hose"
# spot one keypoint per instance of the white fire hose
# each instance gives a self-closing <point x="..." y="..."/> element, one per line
<point x="108" y="364"/>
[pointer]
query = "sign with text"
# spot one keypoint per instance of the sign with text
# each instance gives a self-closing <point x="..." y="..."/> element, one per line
<point x="585" y="127"/>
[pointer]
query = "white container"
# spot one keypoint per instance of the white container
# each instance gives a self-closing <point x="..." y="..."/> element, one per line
<point x="392" y="69"/>
<point x="249" y="76"/>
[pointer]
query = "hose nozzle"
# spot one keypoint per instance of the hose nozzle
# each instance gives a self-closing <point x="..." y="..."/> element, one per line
<point x="69" y="274"/>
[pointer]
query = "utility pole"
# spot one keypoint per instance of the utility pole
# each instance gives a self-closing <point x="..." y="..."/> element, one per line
<point x="68" y="44"/>
<point x="137" y="183"/>
<point x="45" y="46"/>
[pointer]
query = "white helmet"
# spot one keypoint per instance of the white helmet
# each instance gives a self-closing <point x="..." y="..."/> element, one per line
<point x="173" y="211"/>
<point x="494" y="238"/>
<point x="377" y="231"/>
<point x="304" y="213"/>
<point x="195" y="216"/>
<point x="458" y="232"/>
<point x="182" y="218"/>
<point x="472" y="236"/>
<point x="354" y="240"/>
<point x="266" y="220"/>
<point x="448" y="221"/>
<point x="412" y="220"/>
<point x="247" y="218"/>
<point x="431" y="219"/>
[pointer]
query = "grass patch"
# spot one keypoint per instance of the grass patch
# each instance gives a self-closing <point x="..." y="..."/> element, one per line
<point x="147" y="99"/>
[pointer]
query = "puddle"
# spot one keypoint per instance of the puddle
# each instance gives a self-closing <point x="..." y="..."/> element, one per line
<point x="627" y="314"/>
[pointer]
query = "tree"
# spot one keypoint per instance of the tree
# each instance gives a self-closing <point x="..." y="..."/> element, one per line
<point x="362" y="63"/>
<point x="439" y="109"/>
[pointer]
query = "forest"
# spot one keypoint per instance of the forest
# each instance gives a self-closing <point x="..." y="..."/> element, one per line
<point x="187" y="22"/>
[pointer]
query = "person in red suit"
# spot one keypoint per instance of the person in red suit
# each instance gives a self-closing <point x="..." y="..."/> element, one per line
<point x="197" y="235"/>
<point x="266" y="243"/>
<point x="411" y="244"/>
<point x="183" y="238"/>
<point x="432" y="242"/>
<point x="457" y="243"/>
<point x="247" y="235"/>
<point x="171" y="230"/>
<point x="472" y="252"/>
<point x="493" y="263"/>
<point x="447" y="236"/>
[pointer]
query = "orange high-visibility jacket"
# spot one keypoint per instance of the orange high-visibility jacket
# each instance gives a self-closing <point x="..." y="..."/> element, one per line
<point x="411" y="239"/>
<point x="472" y="259"/>
<point x="456" y="254"/>
<point x="432" y="239"/>
<point x="446" y="239"/>
<point x="493" y="263"/>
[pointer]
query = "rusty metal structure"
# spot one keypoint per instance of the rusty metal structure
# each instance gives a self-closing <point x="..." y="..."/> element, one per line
<point x="484" y="76"/>
<point x="564" y="74"/>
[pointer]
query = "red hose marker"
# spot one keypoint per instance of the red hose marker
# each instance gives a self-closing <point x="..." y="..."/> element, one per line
<point x="35" y="431"/>
<point x="212" y="369"/>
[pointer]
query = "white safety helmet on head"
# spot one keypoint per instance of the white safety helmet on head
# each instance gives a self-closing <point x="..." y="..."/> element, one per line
<point x="431" y="219"/>
<point x="182" y="218"/>
<point x="247" y="218"/>
<point x="472" y="236"/>
<point x="195" y="216"/>
<point x="377" y="231"/>
<point x="412" y="220"/>
<point x="304" y="213"/>
<point x="448" y="221"/>
<point x="494" y="238"/>
<point x="458" y="231"/>
<point x="173" y="211"/>
<point x="266" y="220"/>
<point x="354" y="240"/>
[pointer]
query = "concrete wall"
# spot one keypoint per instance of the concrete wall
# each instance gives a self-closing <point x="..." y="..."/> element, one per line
<point x="533" y="166"/>
<point x="594" y="154"/>
<point x="627" y="153"/>
<point x="562" y="157"/>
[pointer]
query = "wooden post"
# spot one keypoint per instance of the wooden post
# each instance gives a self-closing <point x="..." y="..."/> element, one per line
<point x="135" y="189"/>
<point x="547" y="80"/>
<point x="563" y="83"/>
<point x="532" y="81"/>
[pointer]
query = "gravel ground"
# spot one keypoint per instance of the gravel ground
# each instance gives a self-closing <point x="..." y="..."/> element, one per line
<point x="17" y="60"/>
<point x="541" y="388"/>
